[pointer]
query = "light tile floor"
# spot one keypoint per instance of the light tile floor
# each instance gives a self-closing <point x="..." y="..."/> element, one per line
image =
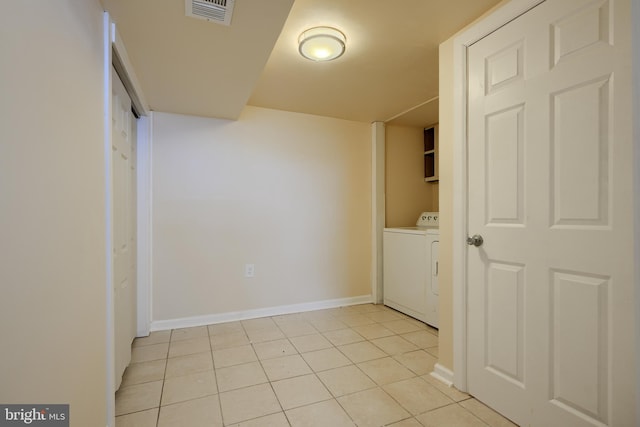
<point x="363" y="365"/>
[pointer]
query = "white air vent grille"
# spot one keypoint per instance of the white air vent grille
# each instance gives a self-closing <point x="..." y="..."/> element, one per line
<point x="210" y="10"/>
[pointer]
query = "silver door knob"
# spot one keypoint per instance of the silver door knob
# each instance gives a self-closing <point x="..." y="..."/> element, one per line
<point x="476" y="240"/>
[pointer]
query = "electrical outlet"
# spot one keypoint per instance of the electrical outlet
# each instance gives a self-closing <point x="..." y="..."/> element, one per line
<point x="249" y="270"/>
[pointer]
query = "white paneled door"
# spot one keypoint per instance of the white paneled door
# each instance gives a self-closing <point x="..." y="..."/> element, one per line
<point x="550" y="296"/>
<point x="124" y="225"/>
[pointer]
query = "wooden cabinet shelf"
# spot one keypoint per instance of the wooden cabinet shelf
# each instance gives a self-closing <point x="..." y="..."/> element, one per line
<point x="431" y="154"/>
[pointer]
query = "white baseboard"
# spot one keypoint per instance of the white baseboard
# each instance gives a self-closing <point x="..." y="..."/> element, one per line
<point x="442" y="374"/>
<point x="210" y="319"/>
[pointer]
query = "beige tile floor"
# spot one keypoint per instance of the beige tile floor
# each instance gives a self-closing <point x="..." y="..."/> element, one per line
<point x="363" y="365"/>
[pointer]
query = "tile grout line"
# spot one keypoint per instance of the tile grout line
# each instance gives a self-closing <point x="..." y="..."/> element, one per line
<point x="215" y="376"/>
<point x="166" y="363"/>
<point x="271" y="383"/>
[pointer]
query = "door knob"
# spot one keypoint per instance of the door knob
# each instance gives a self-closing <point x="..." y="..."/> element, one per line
<point x="476" y="240"/>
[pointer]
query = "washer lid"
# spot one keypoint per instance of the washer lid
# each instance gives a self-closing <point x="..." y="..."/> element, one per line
<point x="414" y="230"/>
<point x="407" y="230"/>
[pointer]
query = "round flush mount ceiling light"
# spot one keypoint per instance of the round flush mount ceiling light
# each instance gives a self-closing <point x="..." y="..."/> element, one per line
<point x="321" y="43"/>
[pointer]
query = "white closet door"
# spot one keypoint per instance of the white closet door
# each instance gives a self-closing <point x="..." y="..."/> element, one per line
<point x="124" y="232"/>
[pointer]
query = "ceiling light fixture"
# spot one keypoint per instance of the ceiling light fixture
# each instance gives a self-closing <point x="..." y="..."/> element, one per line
<point x="321" y="43"/>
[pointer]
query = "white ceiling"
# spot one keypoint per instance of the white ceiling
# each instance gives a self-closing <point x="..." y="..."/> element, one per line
<point x="190" y="66"/>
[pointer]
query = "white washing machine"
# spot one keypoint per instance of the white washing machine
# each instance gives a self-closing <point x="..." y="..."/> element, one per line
<point x="410" y="268"/>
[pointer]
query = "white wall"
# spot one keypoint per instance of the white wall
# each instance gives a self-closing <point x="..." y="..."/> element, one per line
<point x="288" y="192"/>
<point x="52" y="207"/>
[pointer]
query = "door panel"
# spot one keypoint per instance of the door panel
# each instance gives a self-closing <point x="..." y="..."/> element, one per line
<point x="580" y="153"/>
<point x="579" y="368"/>
<point x="504" y="295"/>
<point x="504" y="166"/>
<point x="550" y="330"/>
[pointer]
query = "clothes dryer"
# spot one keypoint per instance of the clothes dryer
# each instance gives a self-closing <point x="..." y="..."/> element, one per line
<point x="410" y="268"/>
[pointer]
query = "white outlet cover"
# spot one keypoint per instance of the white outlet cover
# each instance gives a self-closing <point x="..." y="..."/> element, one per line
<point x="249" y="270"/>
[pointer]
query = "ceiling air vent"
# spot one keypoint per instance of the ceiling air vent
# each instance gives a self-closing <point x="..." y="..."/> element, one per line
<point x="211" y="10"/>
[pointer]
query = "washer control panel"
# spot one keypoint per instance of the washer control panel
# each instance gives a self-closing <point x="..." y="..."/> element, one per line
<point x="428" y="219"/>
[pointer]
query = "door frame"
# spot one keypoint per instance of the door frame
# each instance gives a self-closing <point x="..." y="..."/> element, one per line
<point x="115" y="55"/>
<point x="508" y="12"/>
